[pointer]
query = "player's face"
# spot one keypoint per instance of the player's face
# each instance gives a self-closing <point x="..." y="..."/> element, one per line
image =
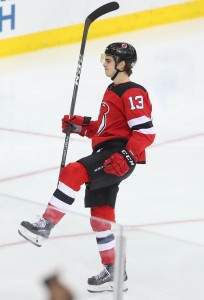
<point x="109" y="65"/>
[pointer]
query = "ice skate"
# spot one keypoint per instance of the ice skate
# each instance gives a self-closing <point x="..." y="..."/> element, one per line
<point x="104" y="281"/>
<point x="36" y="232"/>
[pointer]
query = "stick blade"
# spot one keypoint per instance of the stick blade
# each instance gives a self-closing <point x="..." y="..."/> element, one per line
<point x="102" y="10"/>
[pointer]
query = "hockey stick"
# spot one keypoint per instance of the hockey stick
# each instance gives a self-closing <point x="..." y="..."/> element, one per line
<point x="102" y="10"/>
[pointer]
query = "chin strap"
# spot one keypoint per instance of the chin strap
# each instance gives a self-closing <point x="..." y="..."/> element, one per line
<point x="117" y="70"/>
<point x="116" y="73"/>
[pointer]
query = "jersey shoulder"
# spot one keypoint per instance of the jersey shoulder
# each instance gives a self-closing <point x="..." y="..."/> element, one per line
<point x="120" y="89"/>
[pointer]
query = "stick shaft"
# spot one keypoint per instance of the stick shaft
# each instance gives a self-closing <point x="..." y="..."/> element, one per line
<point x="91" y="18"/>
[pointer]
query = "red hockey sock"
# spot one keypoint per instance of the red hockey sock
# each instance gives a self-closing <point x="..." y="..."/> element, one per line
<point x="70" y="181"/>
<point x="104" y="237"/>
<point x="52" y="214"/>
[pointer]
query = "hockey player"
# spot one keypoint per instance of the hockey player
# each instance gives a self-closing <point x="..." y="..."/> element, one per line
<point x="119" y="137"/>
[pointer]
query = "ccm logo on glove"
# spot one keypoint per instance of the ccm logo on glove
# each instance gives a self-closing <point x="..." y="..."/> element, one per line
<point x="128" y="157"/>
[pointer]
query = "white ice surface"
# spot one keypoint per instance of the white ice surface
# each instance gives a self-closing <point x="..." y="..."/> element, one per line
<point x="161" y="204"/>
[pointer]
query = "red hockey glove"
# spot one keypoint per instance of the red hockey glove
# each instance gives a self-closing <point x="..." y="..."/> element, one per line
<point x="119" y="163"/>
<point x="78" y="124"/>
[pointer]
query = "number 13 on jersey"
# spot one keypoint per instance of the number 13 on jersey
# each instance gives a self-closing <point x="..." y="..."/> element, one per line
<point x="137" y="102"/>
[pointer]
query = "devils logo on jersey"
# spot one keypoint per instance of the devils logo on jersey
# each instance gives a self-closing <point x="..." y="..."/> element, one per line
<point x="103" y="116"/>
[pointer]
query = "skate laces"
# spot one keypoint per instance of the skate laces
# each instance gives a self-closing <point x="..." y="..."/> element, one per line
<point x="102" y="274"/>
<point x="41" y="223"/>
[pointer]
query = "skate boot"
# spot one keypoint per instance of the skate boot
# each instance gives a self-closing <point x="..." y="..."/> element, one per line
<point x="104" y="282"/>
<point x="36" y="232"/>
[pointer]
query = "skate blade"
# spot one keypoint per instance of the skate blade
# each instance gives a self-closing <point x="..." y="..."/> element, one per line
<point x="106" y="287"/>
<point x="30" y="237"/>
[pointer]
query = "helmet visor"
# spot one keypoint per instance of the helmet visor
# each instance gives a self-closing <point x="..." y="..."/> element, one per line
<point x="103" y="58"/>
